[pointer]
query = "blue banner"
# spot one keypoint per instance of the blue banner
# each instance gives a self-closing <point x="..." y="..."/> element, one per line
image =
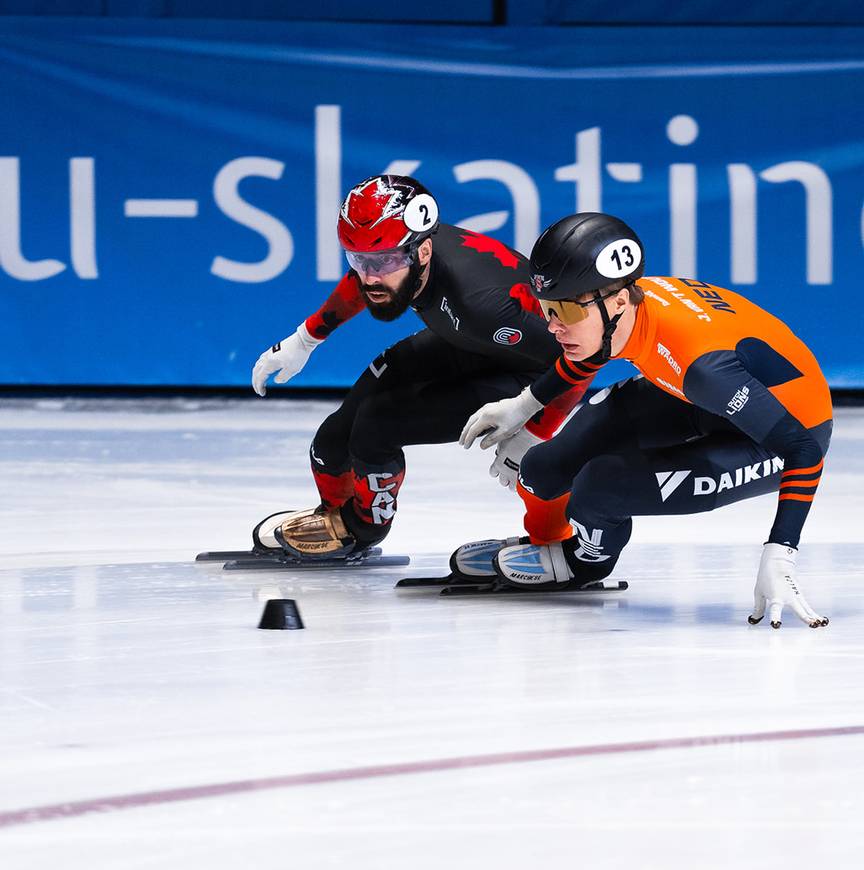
<point x="169" y="190"/>
<point x="692" y="12"/>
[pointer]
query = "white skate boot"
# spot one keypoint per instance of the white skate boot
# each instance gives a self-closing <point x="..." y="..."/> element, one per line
<point x="539" y="567"/>
<point x="473" y="560"/>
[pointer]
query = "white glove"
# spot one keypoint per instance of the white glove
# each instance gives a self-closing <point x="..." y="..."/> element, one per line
<point x="508" y="457"/>
<point x="288" y="357"/>
<point x="776" y="587"/>
<point x="500" y="420"/>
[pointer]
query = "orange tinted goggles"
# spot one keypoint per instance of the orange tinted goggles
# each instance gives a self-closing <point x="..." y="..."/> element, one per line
<point x="568" y="311"/>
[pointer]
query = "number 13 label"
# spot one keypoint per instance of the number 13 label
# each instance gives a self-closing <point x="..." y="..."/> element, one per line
<point x="619" y="258"/>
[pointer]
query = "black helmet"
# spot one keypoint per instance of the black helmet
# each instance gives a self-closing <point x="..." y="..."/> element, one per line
<point x="584" y="252"/>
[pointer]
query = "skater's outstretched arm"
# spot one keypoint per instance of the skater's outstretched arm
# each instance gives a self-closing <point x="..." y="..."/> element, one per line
<point x="342" y="304"/>
<point x="720" y="383"/>
<point x="289" y="356"/>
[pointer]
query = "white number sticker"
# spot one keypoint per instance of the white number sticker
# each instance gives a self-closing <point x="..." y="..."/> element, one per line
<point x="619" y="258"/>
<point x="421" y="213"/>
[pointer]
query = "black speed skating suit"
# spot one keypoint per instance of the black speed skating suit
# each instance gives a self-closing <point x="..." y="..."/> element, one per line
<point x="485" y="339"/>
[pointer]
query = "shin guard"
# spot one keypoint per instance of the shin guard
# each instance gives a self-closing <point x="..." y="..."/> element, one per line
<point x="333" y="489"/>
<point x="376" y="488"/>
<point x="545" y="521"/>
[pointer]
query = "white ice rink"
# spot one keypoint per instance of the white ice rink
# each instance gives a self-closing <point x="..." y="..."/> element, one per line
<point x="145" y="722"/>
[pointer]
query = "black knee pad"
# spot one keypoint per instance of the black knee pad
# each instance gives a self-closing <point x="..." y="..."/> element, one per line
<point x="329" y="449"/>
<point x="539" y="475"/>
<point x="374" y="437"/>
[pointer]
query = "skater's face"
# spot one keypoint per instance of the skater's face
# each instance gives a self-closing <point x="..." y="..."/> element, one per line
<point x="389" y="293"/>
<point x="583" y="338"/>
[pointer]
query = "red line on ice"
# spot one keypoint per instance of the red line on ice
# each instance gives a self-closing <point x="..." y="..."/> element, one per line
<point x="72" y="809"/>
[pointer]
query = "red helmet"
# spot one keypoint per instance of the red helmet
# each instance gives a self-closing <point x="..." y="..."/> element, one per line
<point x="385" y="212"/>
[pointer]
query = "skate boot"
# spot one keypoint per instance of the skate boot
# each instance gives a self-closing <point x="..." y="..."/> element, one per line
<point x="473" y="561"/>
<point x="541" y="568"/>
<point x="263" y="541"/>
<point x="315" y="533"/>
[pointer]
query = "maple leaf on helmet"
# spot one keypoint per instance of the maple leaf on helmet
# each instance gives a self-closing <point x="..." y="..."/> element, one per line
<point x="385" y="212"/>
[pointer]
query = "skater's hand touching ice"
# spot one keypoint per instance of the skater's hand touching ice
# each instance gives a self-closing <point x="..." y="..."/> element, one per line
<point x="287" y="357"/>
<point x="777" y="587"/>
<point x="499" y="420"/>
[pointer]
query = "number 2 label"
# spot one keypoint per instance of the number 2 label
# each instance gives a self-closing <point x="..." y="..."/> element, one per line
<point x="421" y="213"/>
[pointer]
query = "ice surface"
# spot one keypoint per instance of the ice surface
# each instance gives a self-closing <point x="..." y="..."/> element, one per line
<point x="125" y="668"/>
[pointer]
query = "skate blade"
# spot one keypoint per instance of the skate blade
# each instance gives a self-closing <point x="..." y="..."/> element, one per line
<point x="235" y="555"/>
<point x="288" y="564"/>
<point x="475" y="586"/>
<point x="430" y="582"/>
<point x="423" y="582"/>
<point x="224" y="555"/>
<point x="496" y="589"/>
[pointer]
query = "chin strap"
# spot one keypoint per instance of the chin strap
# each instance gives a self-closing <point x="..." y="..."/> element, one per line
<point x="609" y="326"/>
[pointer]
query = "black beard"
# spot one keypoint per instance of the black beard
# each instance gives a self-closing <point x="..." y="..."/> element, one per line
<point x="400" y="297"/>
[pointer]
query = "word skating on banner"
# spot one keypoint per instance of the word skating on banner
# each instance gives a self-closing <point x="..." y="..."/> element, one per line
<point x="169" y="190"/>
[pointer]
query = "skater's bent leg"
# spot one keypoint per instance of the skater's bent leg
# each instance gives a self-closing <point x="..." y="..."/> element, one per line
<point x="359" y="489"/>
<point x="429" y="413"/>
<point x="624" y="416"/>
<point x="629" y="418"/>
<point x="547" y="470"/>
<point x="369" y="513"/>
<point x="545" y="520"/>
<point x="599" y="509"/>
<point x="545" y="478"/>
<point x="397" y="368"/>
<point x="377" y="466"/>
<point x="692" y="478"/>
<point x="329" y="461"/>
<point x="329" y="455"/>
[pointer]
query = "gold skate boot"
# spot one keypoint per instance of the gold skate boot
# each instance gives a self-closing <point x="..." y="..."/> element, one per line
<point x="313" y="534"/>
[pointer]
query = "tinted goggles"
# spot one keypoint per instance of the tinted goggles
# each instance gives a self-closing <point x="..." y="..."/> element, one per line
<point x="381" y="262"/>
<point x="568" y="311"/>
